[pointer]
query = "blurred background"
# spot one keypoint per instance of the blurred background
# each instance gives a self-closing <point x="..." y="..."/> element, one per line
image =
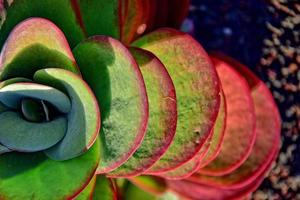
<point x="265" y="36"/>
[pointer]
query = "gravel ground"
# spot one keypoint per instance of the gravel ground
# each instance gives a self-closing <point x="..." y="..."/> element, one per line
<point x="265" y="36"/>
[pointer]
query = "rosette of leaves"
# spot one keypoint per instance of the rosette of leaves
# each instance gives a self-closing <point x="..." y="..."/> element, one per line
<point x="167" y="111"/>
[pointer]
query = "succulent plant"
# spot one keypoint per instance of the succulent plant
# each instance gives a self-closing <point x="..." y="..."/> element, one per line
<point x="175" y="122"/>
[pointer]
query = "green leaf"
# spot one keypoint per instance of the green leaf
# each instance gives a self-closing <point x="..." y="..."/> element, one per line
<point x="14" y="80"/>
<point x="133" y="192"/>
<point x="152" y="184"/>
<point x="21" y="135"/>
<point x="11" y="95"/>
<point x="197" y="92"/>
<point x="101" y="17"/>
<point x="34" y="111"/>
<point x="3" y="108"/>
<point x="24" y="176"/>
<point x="117" y="83"/>
<point x="60" y="12"/>
<point x="3" y="149"/>
<point x="34" y="44"/>
<point x="218" y="134"/>
<point x="120" y="19"/>
<point x="208" y="151"/>
<point x="87" y="193"/>
<point x="240" y="123"/>
<point x="162" y="115"/>
<point x="104" y="189"/>
<point x="83" y="118"/>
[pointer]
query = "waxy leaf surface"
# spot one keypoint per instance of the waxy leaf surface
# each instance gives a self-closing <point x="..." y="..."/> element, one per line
<point x="47" y="177"/>
<point x="115" y="78"/>
<point x="83" y="118"/>
<point x="240" y="124"/>
<point x="197" y="92"/>
<point x="162" y="115"/>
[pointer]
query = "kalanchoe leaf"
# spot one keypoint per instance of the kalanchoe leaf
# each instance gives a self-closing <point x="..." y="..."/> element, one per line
<point x="33" y="110"/>
<point x="162" y="115"/>
<point x="137" y="15"/>
<point x="218" y="134"/>
<point x="134" y="192"/>
<point x="34" y="44"/>
<point x="83" y="118"/>
<point x="60" y="12"/>
<point x="267" y="140"/>
<point x="118" y="18"/>
<point x="197" y="92"/>
<point x="104" y="189"/>
<point x="14" y="80"/>
<point x="11" y="95"/>
<point x="101" y="17"/>
<point x="194" y="191"/>
<point x="240" y="124"/>
<point x="188" y="168"/>
<point x="47" y="178"/>
<point x="151" y="184"/>
<point x="3" y="108"/>
<point x="207" y="152"/>
<point x="18" y="134"/>
<point x="88" y="191"/>
<point x="4" y="149"/>
<point x="116" y="81"/>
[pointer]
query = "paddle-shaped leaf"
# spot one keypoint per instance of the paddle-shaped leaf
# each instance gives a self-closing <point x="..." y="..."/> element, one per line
<point x="18" y="134"/>
<point x="240" y="124"/>
<point x="117" y="83"/>
<point x="24" y="176"/>
<point x="83" y="118"/>
<point x="267" y="139"/>
<point x="11" y="95"/>
<point x="210" y="149"/>
<point x="197" y="92"/>
<point x="87" y="192"/>
<point x="152" y="184"/>
<point x="162" y="115"/>
<point x="34" y="44"/>
<point x="218" y="134"/>
<point x="61" y="12"/>
<point x="104" y="189"/>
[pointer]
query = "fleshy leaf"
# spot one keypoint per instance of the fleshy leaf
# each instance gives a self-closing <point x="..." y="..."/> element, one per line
<point x="83" y="118"/>
<point x="209" y="147"/>
<point x="187" y="169"/>
<point x="194" y="191"/>
<point x="104" y="189"/>
<point x="267" y="141"/>
<point x="152" y="184"/>
<point x="137" y="16"/>
<point x="118" y="18"/>
<point x="240" y="124"/>
<point x="34" y="44"/>
<point x="3" y="149"/>
<point x="87" y="193"/>
<point x="134" y="192"/>
<point x="117" y="83"/>
<point x="218" y="134"/>
<point x="14" y="80"/>
<point x="60" y="12"/>
<point x="162" y="115"/>
<point x="197" y="92"/>
<point x="11" y="95"/>
<point x="21" y="135"/>
<point x="46" y="176"/>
